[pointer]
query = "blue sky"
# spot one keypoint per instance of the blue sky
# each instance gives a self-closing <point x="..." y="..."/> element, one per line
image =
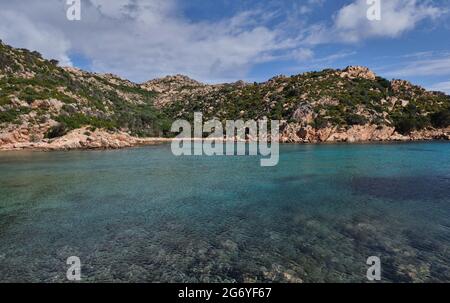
<point x="228" y="40"/>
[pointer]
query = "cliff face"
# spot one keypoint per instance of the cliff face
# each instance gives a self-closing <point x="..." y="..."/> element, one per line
<point x="44" y="105"/>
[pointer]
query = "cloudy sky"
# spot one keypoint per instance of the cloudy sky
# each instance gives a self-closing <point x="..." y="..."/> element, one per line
<point x="228" y="40"/>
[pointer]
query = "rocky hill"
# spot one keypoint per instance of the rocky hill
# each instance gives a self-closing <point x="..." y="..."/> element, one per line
<point x="45" y="106"/>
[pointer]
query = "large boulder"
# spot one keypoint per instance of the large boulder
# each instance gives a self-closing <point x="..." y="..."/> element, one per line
<point x="353" y="72"/>
<point x="304" y="114"/>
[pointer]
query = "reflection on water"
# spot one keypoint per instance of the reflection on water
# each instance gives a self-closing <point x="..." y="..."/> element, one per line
<point x="145" y="215"/>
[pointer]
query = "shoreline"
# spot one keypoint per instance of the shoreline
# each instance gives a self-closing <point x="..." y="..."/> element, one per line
<point x="101" y="139"/>
<point x="85" y="138"/>
<point x="31" y="147"/>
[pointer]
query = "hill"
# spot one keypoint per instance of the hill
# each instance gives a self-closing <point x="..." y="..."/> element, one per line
<point x="43" y="105"/>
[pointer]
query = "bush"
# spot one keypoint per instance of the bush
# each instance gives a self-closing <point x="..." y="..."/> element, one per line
<point x="29" y="95"/>
<point x="383" y="83"/>
<point x="441" y="119"/>
<point x="354" y="119"/>
<point x="406" y="124"/>
<point x="8" y="116"/>
<point x="291" y="92"/>
<point x="57" y="131"/>
<point x="320" y="123"/>
<point x="12" y="115"/>
<point x="79" y="120"/>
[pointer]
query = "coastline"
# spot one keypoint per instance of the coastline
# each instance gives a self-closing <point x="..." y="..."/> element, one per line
<point x="141" y="142"/>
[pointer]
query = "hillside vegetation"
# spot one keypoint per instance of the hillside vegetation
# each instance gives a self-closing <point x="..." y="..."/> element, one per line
<point x="41" y="101"/>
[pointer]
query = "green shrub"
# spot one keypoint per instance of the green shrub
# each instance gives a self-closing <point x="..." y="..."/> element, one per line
<point x="7" y="117"/>
<point x="354" y="119"/>
<point x="79" y="120"/>
<point x="441" y="119"/>
<point x="12" y="115"/>
<point x="57" y="131"/>
<point x="407" y="123"/>
<point x="29" y="95"/>
<point x="320" y="123"/>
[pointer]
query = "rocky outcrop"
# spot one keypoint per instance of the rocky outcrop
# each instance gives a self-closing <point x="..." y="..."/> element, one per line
<point x="51" y="105"/>
<point x="176" y="82"/>
<point x="26" y="132"/>
<point x="353" y="72"/>
<point x="297" y="133"/>
<point x="304" y="114"/>
<point x="175" y="88"/>
<point x="82" y="138"/>
<point x="430" y="134"/>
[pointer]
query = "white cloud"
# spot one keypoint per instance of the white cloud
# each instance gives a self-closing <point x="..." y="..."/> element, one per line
<point x="143" y="39"/>
<point x="18" y="29"/>
<point x="309" y="6"/>
<point x="302" y="54"/>
<point x="352" y="25"/>
<point x="441" y="86"/>
<point x="313" y="63"/>
<point x="435" y="66"/>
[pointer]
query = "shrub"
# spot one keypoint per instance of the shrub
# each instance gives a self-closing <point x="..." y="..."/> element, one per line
<point x="79" y="120"/>
<point x="8" y="116"/>
<point x="441" y="119"/>
<point x="57" y="131"/>
<point x="29" y="95"/>
<point x="320" y="123"/>
<point x="354" y="119"/>
<point x="12" y="115"/>
<point x="408" y="123"/>
<point x="292" y="92"/>
<point x="404" y="125"/>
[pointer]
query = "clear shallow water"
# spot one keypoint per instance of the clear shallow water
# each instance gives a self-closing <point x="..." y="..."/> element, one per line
<point x="142" y="214"/>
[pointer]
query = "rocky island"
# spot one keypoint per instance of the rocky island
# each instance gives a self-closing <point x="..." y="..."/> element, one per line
<point x="47" y="107"/>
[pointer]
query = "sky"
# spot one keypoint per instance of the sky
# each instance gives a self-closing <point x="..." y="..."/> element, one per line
<point x="218" y="41"/>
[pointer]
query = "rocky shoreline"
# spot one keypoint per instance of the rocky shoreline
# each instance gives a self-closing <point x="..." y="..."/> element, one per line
<point x="79" y="139"/>
<point x="88" y="139"/>
<point x="296" y="133"/>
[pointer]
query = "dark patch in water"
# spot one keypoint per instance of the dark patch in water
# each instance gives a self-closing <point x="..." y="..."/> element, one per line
<point x="16" y="184"/>
<point x="439" y="272"/>
<point x="423" y="243"/>
<point x="7" y="220"/>
<point x="419" y="149"/>
<point x="391" y="272"/>
<point x="403" y="188"/>
<point x="292" y="179"/>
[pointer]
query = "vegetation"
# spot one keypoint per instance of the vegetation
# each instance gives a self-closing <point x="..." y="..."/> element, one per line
<point x="441" y="118"/>
<point x="12" y="115"/>
<point x="354" y="119"/>
<point x="108" y="102"/>
<point x="56" y="131"/>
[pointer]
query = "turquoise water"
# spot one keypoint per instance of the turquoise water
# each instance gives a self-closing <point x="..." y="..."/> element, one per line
<point x="143" y="215"/>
